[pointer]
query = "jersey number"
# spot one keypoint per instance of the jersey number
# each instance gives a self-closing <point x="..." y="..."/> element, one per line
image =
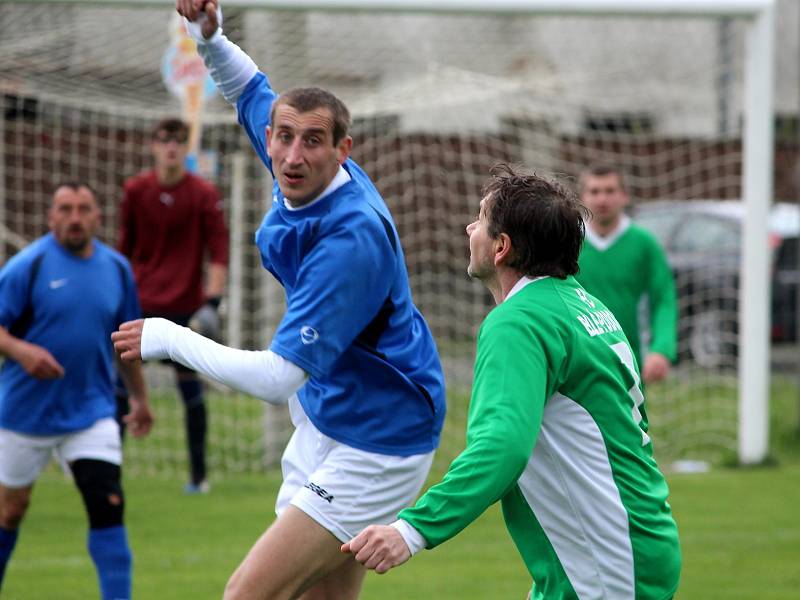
<point x="623" y="351"/>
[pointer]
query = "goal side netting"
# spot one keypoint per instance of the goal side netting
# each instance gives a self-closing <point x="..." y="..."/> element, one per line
<point x="437" y="98"/>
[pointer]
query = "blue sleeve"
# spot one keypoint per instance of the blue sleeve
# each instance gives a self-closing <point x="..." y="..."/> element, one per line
<point x="253" y="108"/>
<point x="343" y="282"/>
<point x="14" y="289"/>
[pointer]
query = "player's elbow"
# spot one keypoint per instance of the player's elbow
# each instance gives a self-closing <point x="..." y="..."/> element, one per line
<point x="276" y="398"/>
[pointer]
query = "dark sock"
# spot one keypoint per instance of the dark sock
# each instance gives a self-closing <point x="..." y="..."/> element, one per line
<point x="196" y="425"/>
<point x="8" y="539"/>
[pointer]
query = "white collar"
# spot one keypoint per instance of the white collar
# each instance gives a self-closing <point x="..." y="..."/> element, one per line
<point x="603" y="243"/>
<point x="342" y="177"/>
<point x="521" y="283"/>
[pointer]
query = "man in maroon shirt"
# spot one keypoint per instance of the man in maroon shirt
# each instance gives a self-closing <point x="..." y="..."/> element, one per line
<point x="171" y="221"/>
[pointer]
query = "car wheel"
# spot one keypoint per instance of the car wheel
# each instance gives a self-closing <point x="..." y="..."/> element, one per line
<point x="712" y="341"/>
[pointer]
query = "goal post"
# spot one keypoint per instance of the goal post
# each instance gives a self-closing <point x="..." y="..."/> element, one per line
<point x="753" y="421"/>
<point x="439" y="90"/>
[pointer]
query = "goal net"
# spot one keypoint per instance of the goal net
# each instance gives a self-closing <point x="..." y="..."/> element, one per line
<point x="437" y="99"/>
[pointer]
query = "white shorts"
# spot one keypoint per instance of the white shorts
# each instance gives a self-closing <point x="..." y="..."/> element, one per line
<point x="23" y="456"/>
<point x="345" y="489"/>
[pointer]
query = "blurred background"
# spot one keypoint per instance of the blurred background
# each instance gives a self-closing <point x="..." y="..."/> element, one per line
<point x="437" y="98"/>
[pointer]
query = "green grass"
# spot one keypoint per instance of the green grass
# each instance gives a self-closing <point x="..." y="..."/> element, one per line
<point x="740" y="535"/>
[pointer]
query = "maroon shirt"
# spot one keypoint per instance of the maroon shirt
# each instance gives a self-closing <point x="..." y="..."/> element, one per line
<point x="166" y="233"/>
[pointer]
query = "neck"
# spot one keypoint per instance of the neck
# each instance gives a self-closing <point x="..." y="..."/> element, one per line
<point x="503" y="282"/>
<point x="169" y="175"/>
<point x="82" y="252"/>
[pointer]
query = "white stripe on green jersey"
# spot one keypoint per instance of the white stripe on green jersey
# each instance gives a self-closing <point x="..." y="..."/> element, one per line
<point x="557" y="431"/>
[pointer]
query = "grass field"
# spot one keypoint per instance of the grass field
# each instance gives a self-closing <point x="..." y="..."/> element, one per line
<point x="740" y="534"/>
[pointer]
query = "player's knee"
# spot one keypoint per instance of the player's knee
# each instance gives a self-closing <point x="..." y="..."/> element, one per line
<point x="100" y="485"/>
<point x="233" y="589"/>
<point x="13" y="511"/>
<point x="242" y="586"/>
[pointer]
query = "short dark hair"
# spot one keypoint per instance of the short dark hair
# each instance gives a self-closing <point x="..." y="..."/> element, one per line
<point x="305" y="99"/>
<point x="601" y="170"/>
<point x="74" y="185"/>
<point x="544" y="220"/>
<point x="170" y="125"/>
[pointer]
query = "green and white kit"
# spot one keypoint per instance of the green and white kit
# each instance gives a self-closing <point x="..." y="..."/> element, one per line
<point x="557" y="431"/>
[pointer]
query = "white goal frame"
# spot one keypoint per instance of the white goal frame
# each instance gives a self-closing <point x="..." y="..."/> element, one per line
<point x="757" y="184"/>
<point x="754" y="359"/>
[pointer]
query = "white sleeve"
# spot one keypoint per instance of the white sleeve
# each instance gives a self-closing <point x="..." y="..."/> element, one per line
<point x="411" y="536"/>
<point x="261" y="373"/>
<point x="228" y="64"/>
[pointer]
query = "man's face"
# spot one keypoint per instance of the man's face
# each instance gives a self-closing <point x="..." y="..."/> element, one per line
<point x="605" y="197"/>
<point x="481" y="247"/>
<point x="303" y="155"/>
<point x="74" y="218"/>
<point x="169" y="149"/>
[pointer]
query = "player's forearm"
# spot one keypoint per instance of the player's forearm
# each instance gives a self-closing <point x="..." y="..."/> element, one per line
<point x="228" y="64"/>
<point x="262" y="374"/>
<point x="503" y="424"/>
<point x="478" y="478"/>
<point x="664" y="332"/>
<point x="133" y="378"/>
<point x="217" y="275"/>
<point x="664" y="321"/>
<point x="8" y="343"/>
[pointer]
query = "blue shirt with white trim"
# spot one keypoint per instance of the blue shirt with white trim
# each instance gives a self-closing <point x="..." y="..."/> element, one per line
<point x="70" y="306"/>
<point x="376" y="382"/>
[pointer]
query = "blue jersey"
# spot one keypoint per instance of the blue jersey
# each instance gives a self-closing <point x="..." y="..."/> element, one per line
<point x="70" y="306"/>
<point x="375" y="379"/>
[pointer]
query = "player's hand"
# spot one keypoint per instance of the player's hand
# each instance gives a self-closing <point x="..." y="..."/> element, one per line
<point x="206" y="322"/>
<point x="140" y="418"/>
<point x="378" y="547"/>
<point x="128" y="340"/>
<point x="204" y="12"/>
<point x="656" y="367"/>
<point x="37" y="361"/>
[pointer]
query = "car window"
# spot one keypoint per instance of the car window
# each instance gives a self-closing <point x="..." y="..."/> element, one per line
<point x="789" y="254"/>
<point x="660" y="223"/>
<point x="706" y="233"/>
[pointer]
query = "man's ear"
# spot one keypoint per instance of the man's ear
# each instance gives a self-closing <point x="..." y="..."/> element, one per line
<point x="268" y="133"/>
<point x="502" y="249"/>
<point x="343" y="149"/>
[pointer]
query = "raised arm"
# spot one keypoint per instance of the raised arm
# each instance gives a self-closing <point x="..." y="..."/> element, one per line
<point x="229" y="66"/>
<point x="236" y="75"/>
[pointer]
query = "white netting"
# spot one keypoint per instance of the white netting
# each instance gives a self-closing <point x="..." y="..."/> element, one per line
<point x="436" y="99"/>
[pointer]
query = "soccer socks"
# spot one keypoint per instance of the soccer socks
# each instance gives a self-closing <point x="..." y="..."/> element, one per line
<point x="8" y="539"/>
<point x="196" y="424"/>
<point x="111" y="554"/>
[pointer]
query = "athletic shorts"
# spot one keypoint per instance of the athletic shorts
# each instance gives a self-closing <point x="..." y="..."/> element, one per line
<point x="342" y="488"/>
<point x="23" y="456"/>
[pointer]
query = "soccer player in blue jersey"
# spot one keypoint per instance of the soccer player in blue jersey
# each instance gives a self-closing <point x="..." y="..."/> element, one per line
<point x="60" y="299"/>
<point x="352" y="355"/>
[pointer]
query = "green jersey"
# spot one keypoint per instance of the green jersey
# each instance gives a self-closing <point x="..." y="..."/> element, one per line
<point x="620" y="270"/>
<point x="558" y="432"/>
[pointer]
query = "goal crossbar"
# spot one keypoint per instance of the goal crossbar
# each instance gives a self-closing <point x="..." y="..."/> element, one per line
<point x="733" y="8"/>
<point x="759" y="81"/>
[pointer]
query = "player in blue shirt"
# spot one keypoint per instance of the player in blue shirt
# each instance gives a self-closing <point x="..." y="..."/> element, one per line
<point x="352" y="355"/>
<point x="60" y="300"/>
